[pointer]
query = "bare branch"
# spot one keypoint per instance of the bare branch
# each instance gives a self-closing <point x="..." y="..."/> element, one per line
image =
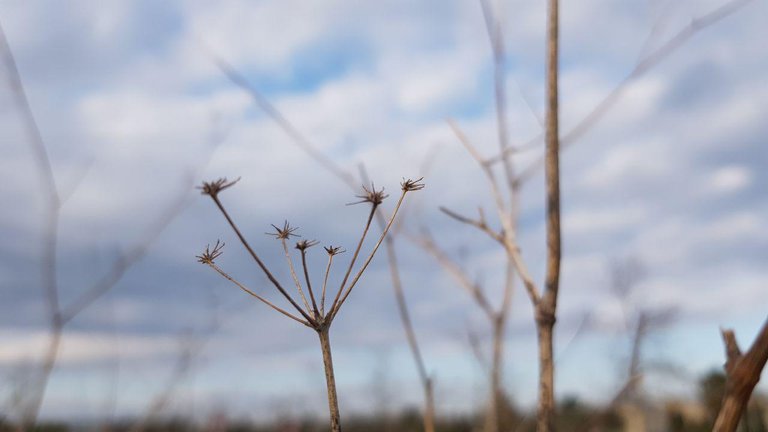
<point x="306" y="275"/>
<point x="256" y="258"/>
<point x="260" y="298"/>
<point x="352" y="261"/>
<point x="479" y="224"/>
<point x="296" y="137"/>
<point x="647" y="63"/>
<point x="407" y="186"/>
<point x="293" y="275"/>
<point x="455" y="270"/>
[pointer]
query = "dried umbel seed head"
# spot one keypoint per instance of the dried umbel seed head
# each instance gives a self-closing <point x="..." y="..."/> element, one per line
<point x="412" y="185"/>
<point x="214" y="187"/>
<point x="209" y="255"/>
<point x="371" y="195"/>
<point x="305" y="244"/>
<point x="334" y="250"/>
<point x="285" y="232"/>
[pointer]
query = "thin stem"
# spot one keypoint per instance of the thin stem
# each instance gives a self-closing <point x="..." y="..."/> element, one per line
<point x="293" y="274"/>
<point x="262" y="299"/>
<point x="410" y="334"/>
<point x="258" y="260"/>
<point x="335" y="304"/>
<point x="309" y="284"/>
<point x="546" y="309"/>
<point x="296" y="137"/>
<point x="335" y="310"/>
<point x="330" y="380"/>
<point x="456" y="271"/>
<point x="325" y="284"/>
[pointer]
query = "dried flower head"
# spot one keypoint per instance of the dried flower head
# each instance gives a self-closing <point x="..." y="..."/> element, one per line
<point x="412" y="185"/>
<point x="285" y="232"/>
<point x="372" y="196"/>
<point x="305" y="244"/>
<point x="214" y="187"/>
<point x="210" y="255"/>
<point x="334" y="250"/>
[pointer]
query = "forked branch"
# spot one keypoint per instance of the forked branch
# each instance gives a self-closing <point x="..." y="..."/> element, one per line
<point x="742" y="373"/>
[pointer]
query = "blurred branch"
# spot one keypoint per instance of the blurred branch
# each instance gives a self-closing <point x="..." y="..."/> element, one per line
<point x="648" y="62"/>
<point x="61" y="316"/>
<point x="292" y="131"/>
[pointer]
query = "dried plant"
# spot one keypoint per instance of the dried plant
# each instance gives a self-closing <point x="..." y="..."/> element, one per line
<point x="544" y="304"/>
<point x="315" y="316"/>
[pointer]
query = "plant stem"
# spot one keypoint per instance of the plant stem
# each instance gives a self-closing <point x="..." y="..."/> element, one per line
<point x="545" y="421"/>
<point x="333" y="401"/>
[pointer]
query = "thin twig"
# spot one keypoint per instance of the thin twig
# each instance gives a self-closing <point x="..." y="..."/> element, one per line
<point x="472" y="288"/>
<point x="262" y="299"/>
<point x="335" y="304"/>
<point x="300" y="140"/>
<point x="293" y="275"/>
<point x="256" y="258"/>
<point x="372" y="253"/>
<point x="309" y="284"/>
<point x="648" y="62"/>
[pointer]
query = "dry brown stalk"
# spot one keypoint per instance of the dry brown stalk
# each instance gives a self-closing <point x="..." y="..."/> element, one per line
<point x="742" y="371"/>
<point x="316" y="318"/>
<point x="312" y="151"/>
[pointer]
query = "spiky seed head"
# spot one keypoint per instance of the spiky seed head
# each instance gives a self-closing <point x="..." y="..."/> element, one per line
<point x="285" y="232"/>
<point x="213" y="188"/>
<point x="412" y="185"/>
<point x="209" y="255"/>
<point x="371" y="195"/>
<point x="305" y="244"/>
<point x="334" y="250"/>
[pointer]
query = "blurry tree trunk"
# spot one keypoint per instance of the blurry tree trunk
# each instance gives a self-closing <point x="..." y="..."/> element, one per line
<point x="742" y="375"/>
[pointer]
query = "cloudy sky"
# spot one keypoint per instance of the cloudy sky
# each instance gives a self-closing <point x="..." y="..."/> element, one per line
<point x="132" y="107"/>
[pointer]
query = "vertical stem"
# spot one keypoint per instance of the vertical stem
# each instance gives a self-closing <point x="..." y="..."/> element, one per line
<point x="493" y="420"/>
<point x="547" y="307"/>
<point x="429" y="412"/>
<point x="546" y="411"/>
<point x="333" y="402"/>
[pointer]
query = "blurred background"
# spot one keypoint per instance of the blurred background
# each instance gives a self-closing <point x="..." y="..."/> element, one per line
<point x="664" y="205"/>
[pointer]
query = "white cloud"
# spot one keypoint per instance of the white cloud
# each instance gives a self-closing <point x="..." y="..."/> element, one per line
<point x="729" y="179"/>
<point x="82" y="347"/>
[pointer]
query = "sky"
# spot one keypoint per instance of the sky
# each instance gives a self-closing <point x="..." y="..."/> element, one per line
<point x="134" y="113"/>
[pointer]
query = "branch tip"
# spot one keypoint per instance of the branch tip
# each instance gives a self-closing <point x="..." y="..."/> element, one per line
<point x="412" y="185"/>
<point x="371" y="195"/>
<point x="305" y="244"/>
<point x="212" y="188"/>
<point x="285" y="232"/>
<point x="208" y="256"/>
